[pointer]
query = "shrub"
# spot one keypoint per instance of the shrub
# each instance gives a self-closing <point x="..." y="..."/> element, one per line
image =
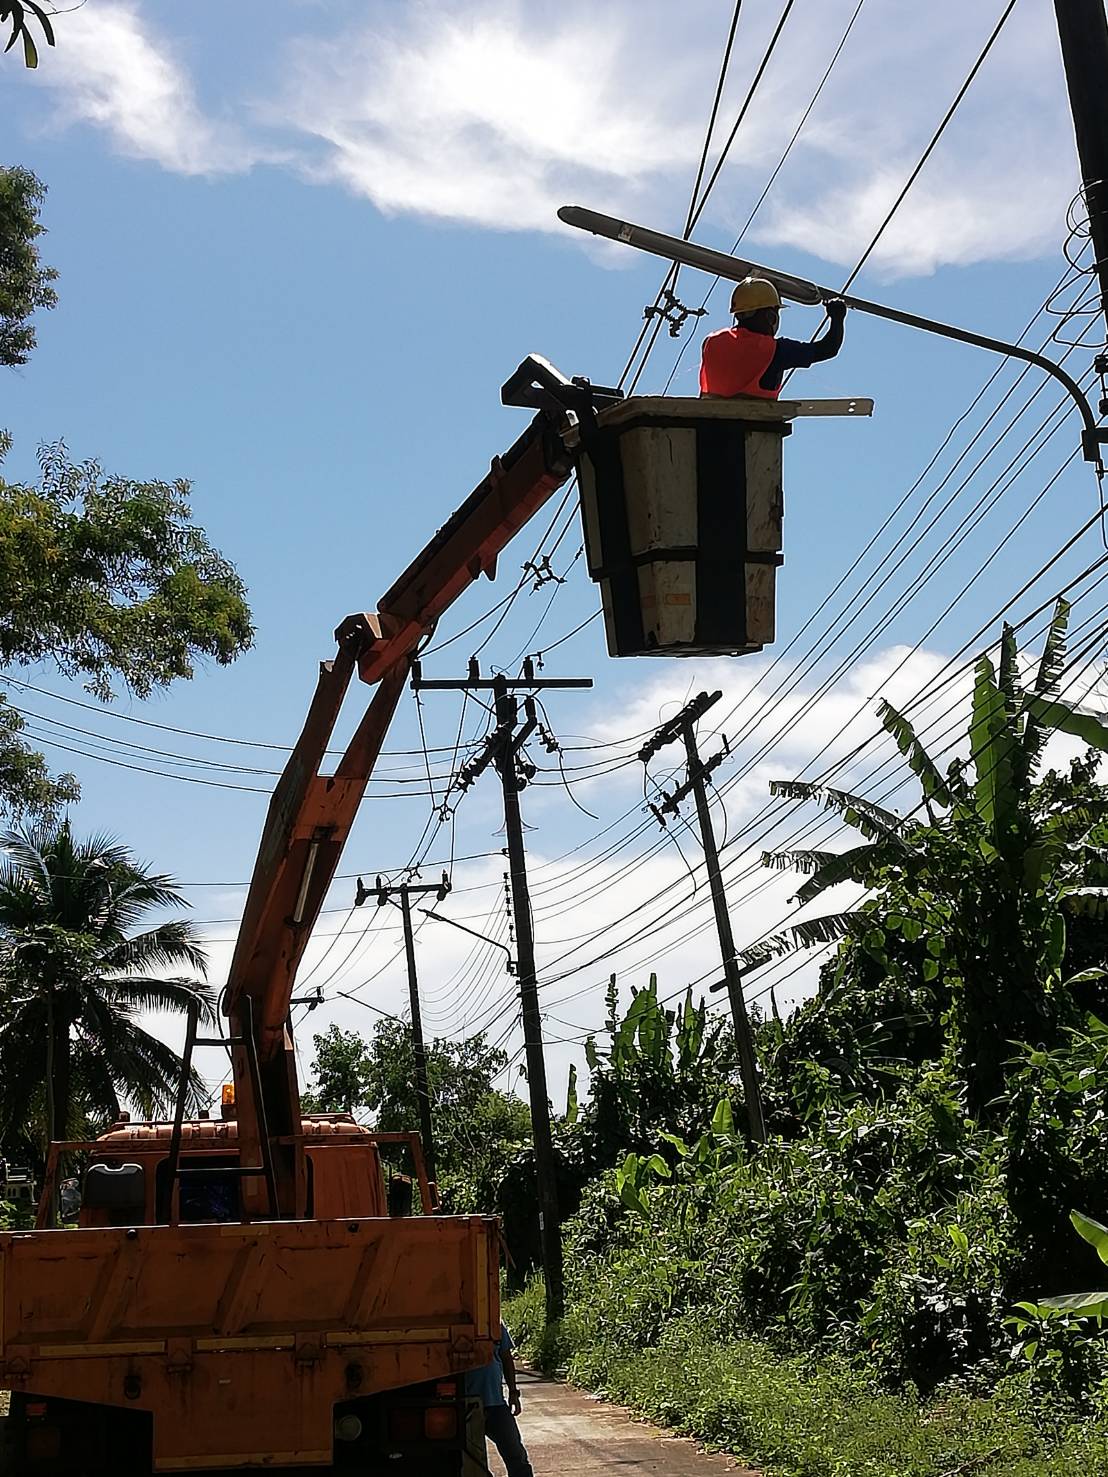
<point x="827" y="1418"/>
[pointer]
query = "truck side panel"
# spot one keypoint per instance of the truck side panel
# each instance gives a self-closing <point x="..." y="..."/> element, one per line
<point x="241" y="1338"/>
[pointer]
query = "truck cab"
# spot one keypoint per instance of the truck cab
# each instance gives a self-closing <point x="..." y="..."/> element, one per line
<point x="127" y="1180"/>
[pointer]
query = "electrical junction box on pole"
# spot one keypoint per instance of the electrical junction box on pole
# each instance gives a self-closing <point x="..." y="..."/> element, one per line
<point x="682" y="504"/>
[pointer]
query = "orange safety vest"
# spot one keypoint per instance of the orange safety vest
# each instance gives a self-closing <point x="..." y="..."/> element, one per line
<point x="734" y="360"/>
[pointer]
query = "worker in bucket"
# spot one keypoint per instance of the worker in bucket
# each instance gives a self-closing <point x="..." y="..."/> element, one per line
<point x="487" y="1384"/>
<point x="750" y="359"/>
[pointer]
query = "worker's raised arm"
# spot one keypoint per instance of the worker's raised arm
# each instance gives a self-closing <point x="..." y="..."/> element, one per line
<point x="791" y="354"/>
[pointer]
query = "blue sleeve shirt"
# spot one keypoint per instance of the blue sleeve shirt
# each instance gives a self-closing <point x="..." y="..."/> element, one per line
<point x="487" y="1383"/>
<point x="789" y="353"/>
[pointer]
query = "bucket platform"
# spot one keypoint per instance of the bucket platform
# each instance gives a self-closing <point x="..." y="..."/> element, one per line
<point x="682" y="504"/>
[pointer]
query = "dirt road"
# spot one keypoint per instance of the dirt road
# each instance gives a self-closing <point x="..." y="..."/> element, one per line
<point x="567" y="1432"/>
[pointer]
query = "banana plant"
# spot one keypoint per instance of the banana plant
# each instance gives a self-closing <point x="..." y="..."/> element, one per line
<point x="1083" y="1304"/>
<point x="990" y="796"/>
<point x="655" y="1068"/>
<point x="716" y="1151"/>
<point x="974" y="894"/>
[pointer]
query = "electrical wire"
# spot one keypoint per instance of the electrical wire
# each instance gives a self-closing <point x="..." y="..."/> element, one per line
<point x="608" y="952"/>
<point x="942" y="126"/>
<point x="870" y="637"/>
<point x="9" y="679"/>
<point x="895" y="759"/>
<point x="930" y="149"/>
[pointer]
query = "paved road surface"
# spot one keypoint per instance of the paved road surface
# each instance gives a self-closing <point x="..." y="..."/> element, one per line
<point x="568" y="1434"/>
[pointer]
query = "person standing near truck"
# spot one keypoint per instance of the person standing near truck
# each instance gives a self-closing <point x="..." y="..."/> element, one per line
<point x="487" y="1385"/>
<point x="750" y="359"/>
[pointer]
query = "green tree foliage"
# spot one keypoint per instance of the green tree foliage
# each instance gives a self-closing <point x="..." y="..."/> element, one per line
<point x="338" y="1072"/>
<point x="25" y="283"/>
<point x="27" y="788"/>
<point x="110" y="581"/>
<point x="77" y="970"/>
<point x="478" y="1129"/>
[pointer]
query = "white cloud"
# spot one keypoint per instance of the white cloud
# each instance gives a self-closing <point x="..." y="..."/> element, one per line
<point x="492" y="115"/>
<point x="109" y="70"/>
<point x="494" y="112"/>
<point x="998" y="183"/>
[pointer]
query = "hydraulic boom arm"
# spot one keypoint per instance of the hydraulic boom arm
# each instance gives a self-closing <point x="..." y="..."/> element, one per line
<point x="310" y="814"/>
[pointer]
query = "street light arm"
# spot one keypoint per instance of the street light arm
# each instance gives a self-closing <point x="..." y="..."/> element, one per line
<point x="1092" y="436"/>
<point x="732" y="269"/>
<point x="442" y="918"/>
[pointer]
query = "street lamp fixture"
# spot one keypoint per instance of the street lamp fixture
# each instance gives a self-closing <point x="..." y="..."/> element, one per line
<point x="799" y="290"/>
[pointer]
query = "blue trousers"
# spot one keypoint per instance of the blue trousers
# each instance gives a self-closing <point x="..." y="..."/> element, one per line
<point x="503" y="1432"/>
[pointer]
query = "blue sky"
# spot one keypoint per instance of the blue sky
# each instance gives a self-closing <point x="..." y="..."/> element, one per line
<point x="300" y="247"/>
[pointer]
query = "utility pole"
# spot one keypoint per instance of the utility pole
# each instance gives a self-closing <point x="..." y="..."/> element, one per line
<point x="683" y="727"/>
<point x="1083" y="33"/>
<point x="502" y="750"/>
<point x="384" y="894"/>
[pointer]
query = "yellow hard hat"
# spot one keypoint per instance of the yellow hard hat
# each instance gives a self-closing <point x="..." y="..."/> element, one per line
<point x="753" y="293"/>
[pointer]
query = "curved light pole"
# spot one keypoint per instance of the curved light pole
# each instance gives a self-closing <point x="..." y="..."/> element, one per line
<point x="509" y="964"/>
<point x="734" y="269"/>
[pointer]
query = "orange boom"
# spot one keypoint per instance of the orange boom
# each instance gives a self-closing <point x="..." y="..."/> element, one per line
<point x="240" y="1293"/>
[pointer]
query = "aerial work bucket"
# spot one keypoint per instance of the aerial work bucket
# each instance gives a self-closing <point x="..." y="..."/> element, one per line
<point x="682" y="505"/>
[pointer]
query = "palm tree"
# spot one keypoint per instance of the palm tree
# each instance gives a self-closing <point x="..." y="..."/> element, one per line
<point x="75" y="976"/>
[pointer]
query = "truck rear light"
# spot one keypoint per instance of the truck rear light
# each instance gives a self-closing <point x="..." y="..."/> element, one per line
<point x="406" y="1423"/>
<point x="348" y="1427"/>
<point x="440" y="1422"/>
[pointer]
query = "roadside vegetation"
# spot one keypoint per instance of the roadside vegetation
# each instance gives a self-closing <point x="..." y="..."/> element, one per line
<point x="907" y="1278"/>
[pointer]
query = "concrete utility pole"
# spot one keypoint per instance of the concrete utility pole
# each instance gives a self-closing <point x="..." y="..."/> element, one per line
<point x="1083" y="33"/>
<point x="502" y="749"/>
<point x="683" y="727"/>
<point x="404" y="891"/>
